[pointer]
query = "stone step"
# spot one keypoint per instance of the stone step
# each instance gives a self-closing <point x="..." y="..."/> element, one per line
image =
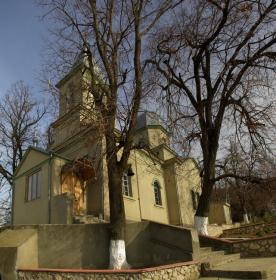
<point x="205" y="249"/>
<point x="253" y="268"/>
<point x="210" y="254"/>
<point x="219" y="261"/>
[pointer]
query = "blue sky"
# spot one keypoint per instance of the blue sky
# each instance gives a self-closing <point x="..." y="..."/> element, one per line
<point x="21" y="43"/>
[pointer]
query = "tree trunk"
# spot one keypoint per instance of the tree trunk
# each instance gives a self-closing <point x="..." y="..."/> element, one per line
<point x="117" y="251"/>
<point x="245" y="218"/>
<point x="201" y="216"/>
<point x="202" y="213"/>
<point x="245" y="215"/>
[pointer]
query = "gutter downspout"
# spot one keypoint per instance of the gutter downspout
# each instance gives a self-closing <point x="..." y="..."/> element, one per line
<point x="178" y="196"/>
<point x="12" y="204"/>
<point x="50" y="188"/>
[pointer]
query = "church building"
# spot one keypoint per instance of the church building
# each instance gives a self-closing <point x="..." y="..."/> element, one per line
<point x="67" y="183"/>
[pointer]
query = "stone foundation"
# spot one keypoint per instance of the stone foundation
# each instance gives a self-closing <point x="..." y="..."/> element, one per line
<point x="180" y="271"/>
<point x="253" y="247"/>
<point x="250" y="229"/>
<point x="257" y="247"/>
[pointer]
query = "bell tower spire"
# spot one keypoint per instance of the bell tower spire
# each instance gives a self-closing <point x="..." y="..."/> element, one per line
<point x="74" y="102"/>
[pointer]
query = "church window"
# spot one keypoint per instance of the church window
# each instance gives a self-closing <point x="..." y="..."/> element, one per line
<point x="34" y="186"/>
<point x="195" y="198"/>
<point x="126" y="185"/>
<point x="157" y="193"/>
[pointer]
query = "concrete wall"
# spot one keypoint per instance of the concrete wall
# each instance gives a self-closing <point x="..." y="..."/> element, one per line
<point x="8" y="263"/>
<point x="164" y="244"/>
<point x="181" y="271"/>
<point x="27" y="252"/>
<point x="18" y="248"/>
<point x="183" y="243"/>
<point x="73" y="246"/>
<point x="87" y="246"/>
<point x="62" y="209"/>
<point x="220" y="213"/>
<point x="34" y="211"/>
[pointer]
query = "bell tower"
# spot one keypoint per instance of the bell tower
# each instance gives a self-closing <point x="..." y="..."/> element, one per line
<point x="75" y="105"/>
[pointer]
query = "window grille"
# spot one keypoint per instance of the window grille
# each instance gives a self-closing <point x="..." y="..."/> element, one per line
<point x="126" y="182"/>
<point x="195" y="199"/>
<point x="157" y="193"/>
<point x="34" y="186"/>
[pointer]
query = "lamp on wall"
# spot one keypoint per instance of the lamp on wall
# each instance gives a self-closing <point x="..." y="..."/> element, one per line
<point x="130" y="172"/>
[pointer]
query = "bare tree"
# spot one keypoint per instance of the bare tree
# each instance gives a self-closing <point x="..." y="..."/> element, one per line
<point x="244" y="165"/>
<point x="215" y="63"/>
<point x="247" y="167"/>
<point x="19" y="116"/>
<point x="112" y="36"/>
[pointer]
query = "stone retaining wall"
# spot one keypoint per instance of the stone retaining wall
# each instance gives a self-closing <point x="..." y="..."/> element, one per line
<point x="248" y="229"/>
<point x="180" y="271"/>
<point x="257" y="247"/>
<point x="253" y="247"/>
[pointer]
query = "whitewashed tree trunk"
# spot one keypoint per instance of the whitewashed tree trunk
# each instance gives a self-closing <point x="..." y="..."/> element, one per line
<point x="245" y="218"/>
<point x="201" y="225"/>
<point x="117" y="255"/>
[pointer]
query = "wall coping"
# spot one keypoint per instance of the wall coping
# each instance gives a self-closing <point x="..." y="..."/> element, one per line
<point x="250" y="225"/>
<point x="216" y="239"/>
<point x="255" y="239"/>
<point x="109" y="271"/>
<point x="183" y="228"/>
<point x="239" y="241"/>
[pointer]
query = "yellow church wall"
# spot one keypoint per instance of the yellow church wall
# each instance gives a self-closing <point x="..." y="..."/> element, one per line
<point x="132" y="207"/>
<point x="187" y="176"/>
<point x="57" y="164"/>
<point x="163" y="152"/>
<point x="170" y="181"/>
<point x="34" y="158"/>
<point x="34" y="211"/>
<point x="70" y="90"/>
<point x="104" y="176"/>
<point x="167" y="154"/>
<point x="146" y="172"/>
<point x="152" y="136"/>
<point x="141" y="136"/>
<point x="157" y="136"/>
<point x="82" y="145"/>
<point x="87" y="98"/>
<point x="65" y="130"/>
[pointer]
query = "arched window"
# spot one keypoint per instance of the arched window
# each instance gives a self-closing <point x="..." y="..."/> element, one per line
<point x="195" y="198"/>
<point x="157" y="193"/>
<point x="126" y="185"/>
